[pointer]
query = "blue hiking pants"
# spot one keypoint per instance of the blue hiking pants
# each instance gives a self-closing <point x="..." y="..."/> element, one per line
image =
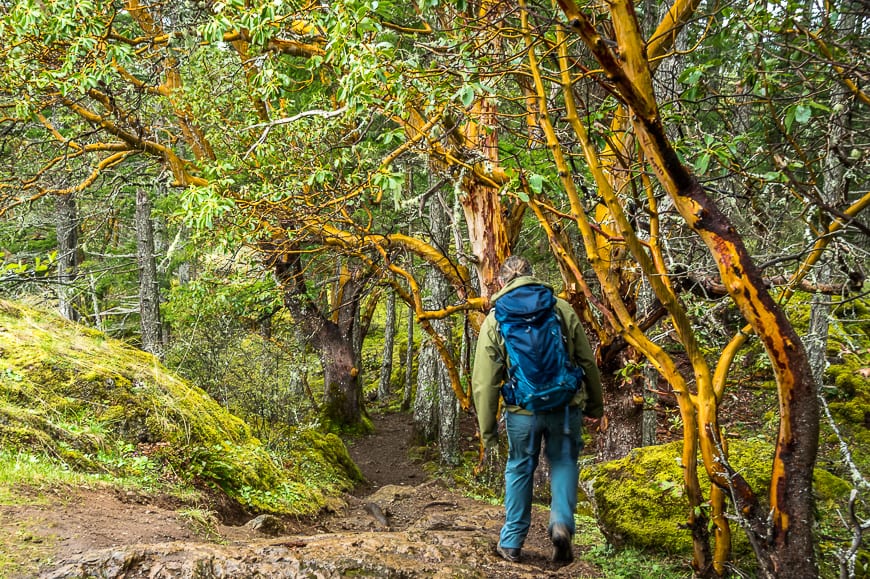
<point x="525" y="432"/>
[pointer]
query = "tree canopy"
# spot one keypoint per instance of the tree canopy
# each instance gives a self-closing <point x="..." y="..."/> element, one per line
<point x="663" y="156"/>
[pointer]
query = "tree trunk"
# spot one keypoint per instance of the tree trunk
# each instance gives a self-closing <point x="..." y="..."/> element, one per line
<point x="389" y="342"/>
<point x="149" y="292"/>
<point x="488" y="230"/>
<point x="341" y="352"/>
<point x="95" y="303"/>
<point x="342" y="388"/>
<point x="448" y="420"/>
<point x="650" y="416"/>
<point x="67" y="229"/>
<point x="426" y="399"/>
<point x="436" y="407"/>
<point x="623" y="406"/>
<point x="487" y="233"/>
<point x="409" y="363"/>
<point x="342" y="391"/>
<point x="833" y="194"/>
<point x="448" y="405"/>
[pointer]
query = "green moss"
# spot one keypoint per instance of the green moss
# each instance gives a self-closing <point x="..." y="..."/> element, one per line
<point x="99" y="405"/>
<point x="829" y="488"/>
<point x="639" y="500"/>
<point x="850" y="376"/>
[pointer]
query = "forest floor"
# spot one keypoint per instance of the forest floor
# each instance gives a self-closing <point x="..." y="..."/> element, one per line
<point x="399" y="523"/>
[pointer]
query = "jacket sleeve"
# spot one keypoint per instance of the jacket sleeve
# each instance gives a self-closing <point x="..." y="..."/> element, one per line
<point x="486" y="380"/>
<point x="581" y="354"/>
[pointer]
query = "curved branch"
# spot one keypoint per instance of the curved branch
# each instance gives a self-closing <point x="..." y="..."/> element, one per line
<point x="177" y="165"/>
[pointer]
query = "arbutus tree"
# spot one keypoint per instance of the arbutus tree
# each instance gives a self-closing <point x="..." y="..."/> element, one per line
<point x="785" y="544"/>
<point x="288" y="123"/>
<point x="123" y="75"/>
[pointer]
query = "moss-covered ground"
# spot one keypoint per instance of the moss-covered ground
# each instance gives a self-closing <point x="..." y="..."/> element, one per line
<point x="84" y="403"/>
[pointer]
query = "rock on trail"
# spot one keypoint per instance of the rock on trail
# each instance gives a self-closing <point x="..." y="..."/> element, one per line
<point x="435" y="533"/>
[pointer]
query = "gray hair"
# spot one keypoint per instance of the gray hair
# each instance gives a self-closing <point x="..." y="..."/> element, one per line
<point x="514" y="267"/>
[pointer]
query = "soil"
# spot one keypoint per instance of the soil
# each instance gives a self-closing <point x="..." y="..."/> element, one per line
<point x="399" y="523"/>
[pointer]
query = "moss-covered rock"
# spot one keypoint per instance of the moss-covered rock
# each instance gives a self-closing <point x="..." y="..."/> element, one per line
<point x="96" y="404"/>
<point x="847" y="380"/>
<point x="639" y="500"/>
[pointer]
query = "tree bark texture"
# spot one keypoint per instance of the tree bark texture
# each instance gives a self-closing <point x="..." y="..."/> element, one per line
<point x="833" y="192"/>
<point x="342" y="391"/>
<point x="408" y="389"/>
<point x="149" y="291"/>
<point x="436" y="407"/>
<point x="448" y="421"/>
<point x="426" y="397"/>
<point x="67" y="230"/>
<point x="623" y="406"/>
<point x="342" y="396"/>
<point x="389" y="341"/>
<point x="481" y="202"/>
<point x="650" y="416"/>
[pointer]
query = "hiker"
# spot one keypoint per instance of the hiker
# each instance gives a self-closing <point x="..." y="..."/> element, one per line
<point x="560" y="427"/>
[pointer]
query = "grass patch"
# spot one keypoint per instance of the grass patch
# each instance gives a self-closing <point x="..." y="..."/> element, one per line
<point x="22" y="553"/>
<point x="203" y="522"/>
<point x="24" y="478"/>
<point x="29" y="479"/>
<point x="628" y="563"/>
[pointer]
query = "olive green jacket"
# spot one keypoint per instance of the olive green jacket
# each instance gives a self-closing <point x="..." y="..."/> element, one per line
<point x="490" y="365"/>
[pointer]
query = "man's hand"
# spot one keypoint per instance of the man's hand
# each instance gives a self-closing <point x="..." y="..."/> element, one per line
<point x="488" y="455"/>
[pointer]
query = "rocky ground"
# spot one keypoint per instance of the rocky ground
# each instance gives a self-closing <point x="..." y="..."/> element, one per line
<point x="398" y="524"/>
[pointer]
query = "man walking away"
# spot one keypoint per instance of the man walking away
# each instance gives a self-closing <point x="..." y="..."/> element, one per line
<point x="520" y="347"/>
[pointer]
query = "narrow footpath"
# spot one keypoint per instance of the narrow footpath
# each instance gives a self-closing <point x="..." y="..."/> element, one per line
<point x="399" y="524"/>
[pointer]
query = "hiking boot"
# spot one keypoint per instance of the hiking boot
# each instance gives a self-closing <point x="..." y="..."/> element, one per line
<point x="561" y="537"/>
<point x="508" y="553"/>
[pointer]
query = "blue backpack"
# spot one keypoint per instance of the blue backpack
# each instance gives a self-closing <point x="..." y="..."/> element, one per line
<point x="541" y="375"/>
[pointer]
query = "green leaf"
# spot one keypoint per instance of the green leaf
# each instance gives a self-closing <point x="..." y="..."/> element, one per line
<point x="789" y="118"/>
<point x="466" y="95"/>
<point x="691" y="76"/>
<point x="536" y="183"/>
<point x="702" y="163"/>
<point x="802" y="113"/>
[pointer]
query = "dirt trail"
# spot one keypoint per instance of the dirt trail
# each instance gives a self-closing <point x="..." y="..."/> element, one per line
<point x="398" y="524"/>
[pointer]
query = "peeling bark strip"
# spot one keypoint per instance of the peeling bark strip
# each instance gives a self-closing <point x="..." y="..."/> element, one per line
<point x="484" y="217"/>
<point x="487" y="232"/>
<point x="791" y="545"/>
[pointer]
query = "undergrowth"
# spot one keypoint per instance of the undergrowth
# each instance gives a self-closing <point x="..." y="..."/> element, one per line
<point x="625" y="563"/>
<point x="28" y="478"/>
<point x="76" y="403"/>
